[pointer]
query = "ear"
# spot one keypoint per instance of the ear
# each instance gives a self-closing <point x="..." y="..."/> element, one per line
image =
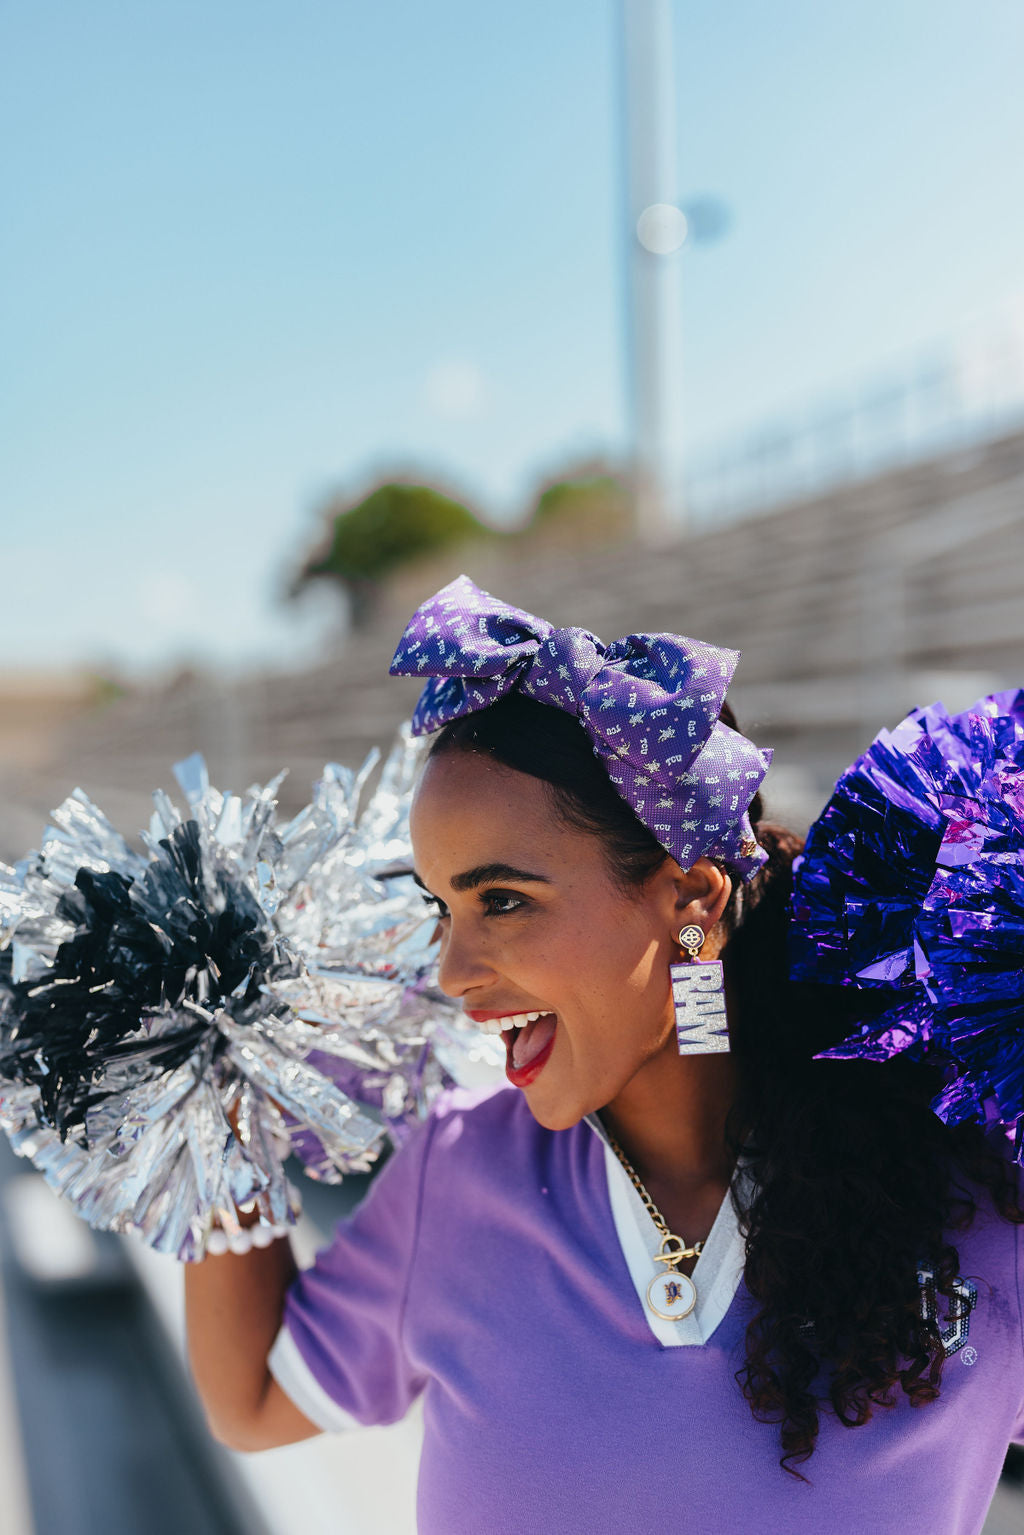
<point x="698" y="895"/>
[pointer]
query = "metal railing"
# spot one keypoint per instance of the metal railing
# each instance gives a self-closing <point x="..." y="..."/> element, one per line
<point x="941" y="402"/>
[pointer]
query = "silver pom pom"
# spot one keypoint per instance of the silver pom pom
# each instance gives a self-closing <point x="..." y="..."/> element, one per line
<point x="173" y="1027"/>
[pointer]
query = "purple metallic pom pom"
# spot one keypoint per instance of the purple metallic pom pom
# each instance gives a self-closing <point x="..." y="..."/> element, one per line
<point x="912" y="887"/>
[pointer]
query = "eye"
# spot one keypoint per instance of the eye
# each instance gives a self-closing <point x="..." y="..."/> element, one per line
<point x="436" y="905"/>
<point x="502" y="903"/>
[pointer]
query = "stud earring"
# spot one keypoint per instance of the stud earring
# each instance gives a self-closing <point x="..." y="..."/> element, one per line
<point x="698" y="993"/>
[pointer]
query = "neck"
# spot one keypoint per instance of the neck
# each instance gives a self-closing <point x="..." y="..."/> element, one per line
<point x="670" y="1119"/>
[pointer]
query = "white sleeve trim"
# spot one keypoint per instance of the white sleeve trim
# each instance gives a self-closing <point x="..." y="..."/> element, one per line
<point x="298" y="1382"/>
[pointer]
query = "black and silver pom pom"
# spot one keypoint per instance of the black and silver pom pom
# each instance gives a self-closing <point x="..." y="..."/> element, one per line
<point x="174" y="1026"/>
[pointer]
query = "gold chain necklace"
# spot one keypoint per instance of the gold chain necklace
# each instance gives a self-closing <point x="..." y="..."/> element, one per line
<point x="671" y="1295"/>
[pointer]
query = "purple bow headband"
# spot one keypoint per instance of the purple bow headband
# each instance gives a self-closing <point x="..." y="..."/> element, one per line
<point x="649" y="703"/>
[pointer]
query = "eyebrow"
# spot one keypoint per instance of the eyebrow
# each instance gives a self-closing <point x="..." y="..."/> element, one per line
<point x="486" y="874"/>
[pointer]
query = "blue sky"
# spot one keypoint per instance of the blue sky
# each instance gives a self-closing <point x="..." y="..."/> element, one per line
<point x="257" y="252"/>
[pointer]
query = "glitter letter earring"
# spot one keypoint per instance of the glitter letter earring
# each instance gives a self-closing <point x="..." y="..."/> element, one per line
<point x="698" y="991"/>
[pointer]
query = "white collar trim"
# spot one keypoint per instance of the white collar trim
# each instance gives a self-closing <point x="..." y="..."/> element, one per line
<point x="717" y="1272"/>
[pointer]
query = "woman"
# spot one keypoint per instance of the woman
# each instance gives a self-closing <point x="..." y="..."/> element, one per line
<point x="664" y="1276"/>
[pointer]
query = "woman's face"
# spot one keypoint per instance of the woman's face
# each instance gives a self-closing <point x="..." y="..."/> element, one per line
<point x="532" y="921"/>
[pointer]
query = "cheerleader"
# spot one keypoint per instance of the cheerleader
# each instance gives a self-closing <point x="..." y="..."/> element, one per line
<point x="683" y="1268"/>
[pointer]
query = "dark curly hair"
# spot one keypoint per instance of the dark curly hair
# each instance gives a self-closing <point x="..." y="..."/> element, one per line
<point x="834" y="1237"/>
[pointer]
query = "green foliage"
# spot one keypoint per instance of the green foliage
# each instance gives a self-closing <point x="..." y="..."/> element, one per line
<point x="398" y="524"/>
<point x="392" y="526"/>
<point x="594" y="504"/>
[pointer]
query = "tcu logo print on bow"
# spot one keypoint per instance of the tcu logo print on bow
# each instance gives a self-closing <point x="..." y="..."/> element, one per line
<point x="632" y="698"/>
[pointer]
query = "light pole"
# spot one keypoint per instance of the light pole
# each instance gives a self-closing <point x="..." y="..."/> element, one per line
<point x="655" y="230"/>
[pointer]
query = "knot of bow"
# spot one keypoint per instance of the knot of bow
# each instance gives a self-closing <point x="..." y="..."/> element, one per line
<point x="649" y="704"/>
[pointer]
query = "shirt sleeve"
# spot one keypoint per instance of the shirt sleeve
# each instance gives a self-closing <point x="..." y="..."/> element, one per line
<point x="340" y="1354"/>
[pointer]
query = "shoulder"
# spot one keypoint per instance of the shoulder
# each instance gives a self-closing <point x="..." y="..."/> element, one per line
<point x="470" y="1141"/>
<point x="481" y="1150"/>
<point x="470" y="1123"/>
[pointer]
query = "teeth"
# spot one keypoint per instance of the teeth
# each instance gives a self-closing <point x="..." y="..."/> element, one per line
<point x="510" y="1021"/>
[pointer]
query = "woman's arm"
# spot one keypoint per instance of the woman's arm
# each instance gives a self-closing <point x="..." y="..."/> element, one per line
<point x="346" y="1353"/>
<point x="233" y="1309"/>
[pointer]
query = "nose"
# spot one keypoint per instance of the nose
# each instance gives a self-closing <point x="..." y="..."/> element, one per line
<point x="462" y="966"/>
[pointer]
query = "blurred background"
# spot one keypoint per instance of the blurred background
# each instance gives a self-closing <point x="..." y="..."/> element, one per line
<point x="646" y="314"/>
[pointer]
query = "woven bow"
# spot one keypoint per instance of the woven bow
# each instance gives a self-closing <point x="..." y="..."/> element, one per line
<point x="649" y="704"/>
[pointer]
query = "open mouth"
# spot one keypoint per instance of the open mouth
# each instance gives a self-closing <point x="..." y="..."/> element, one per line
<point x="529" y="1038"/>
<point x="527" y="1044"/>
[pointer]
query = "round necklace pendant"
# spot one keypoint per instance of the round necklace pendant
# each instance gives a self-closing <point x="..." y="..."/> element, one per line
<point x="672" y="1295"/>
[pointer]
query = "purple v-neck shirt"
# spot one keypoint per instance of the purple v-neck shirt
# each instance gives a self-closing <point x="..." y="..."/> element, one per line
<point x="485" y="1270"/>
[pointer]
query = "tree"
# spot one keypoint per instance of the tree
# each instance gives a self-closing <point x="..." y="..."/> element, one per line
<point x="393" y="525"/>
<point x="591" y="505"/>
